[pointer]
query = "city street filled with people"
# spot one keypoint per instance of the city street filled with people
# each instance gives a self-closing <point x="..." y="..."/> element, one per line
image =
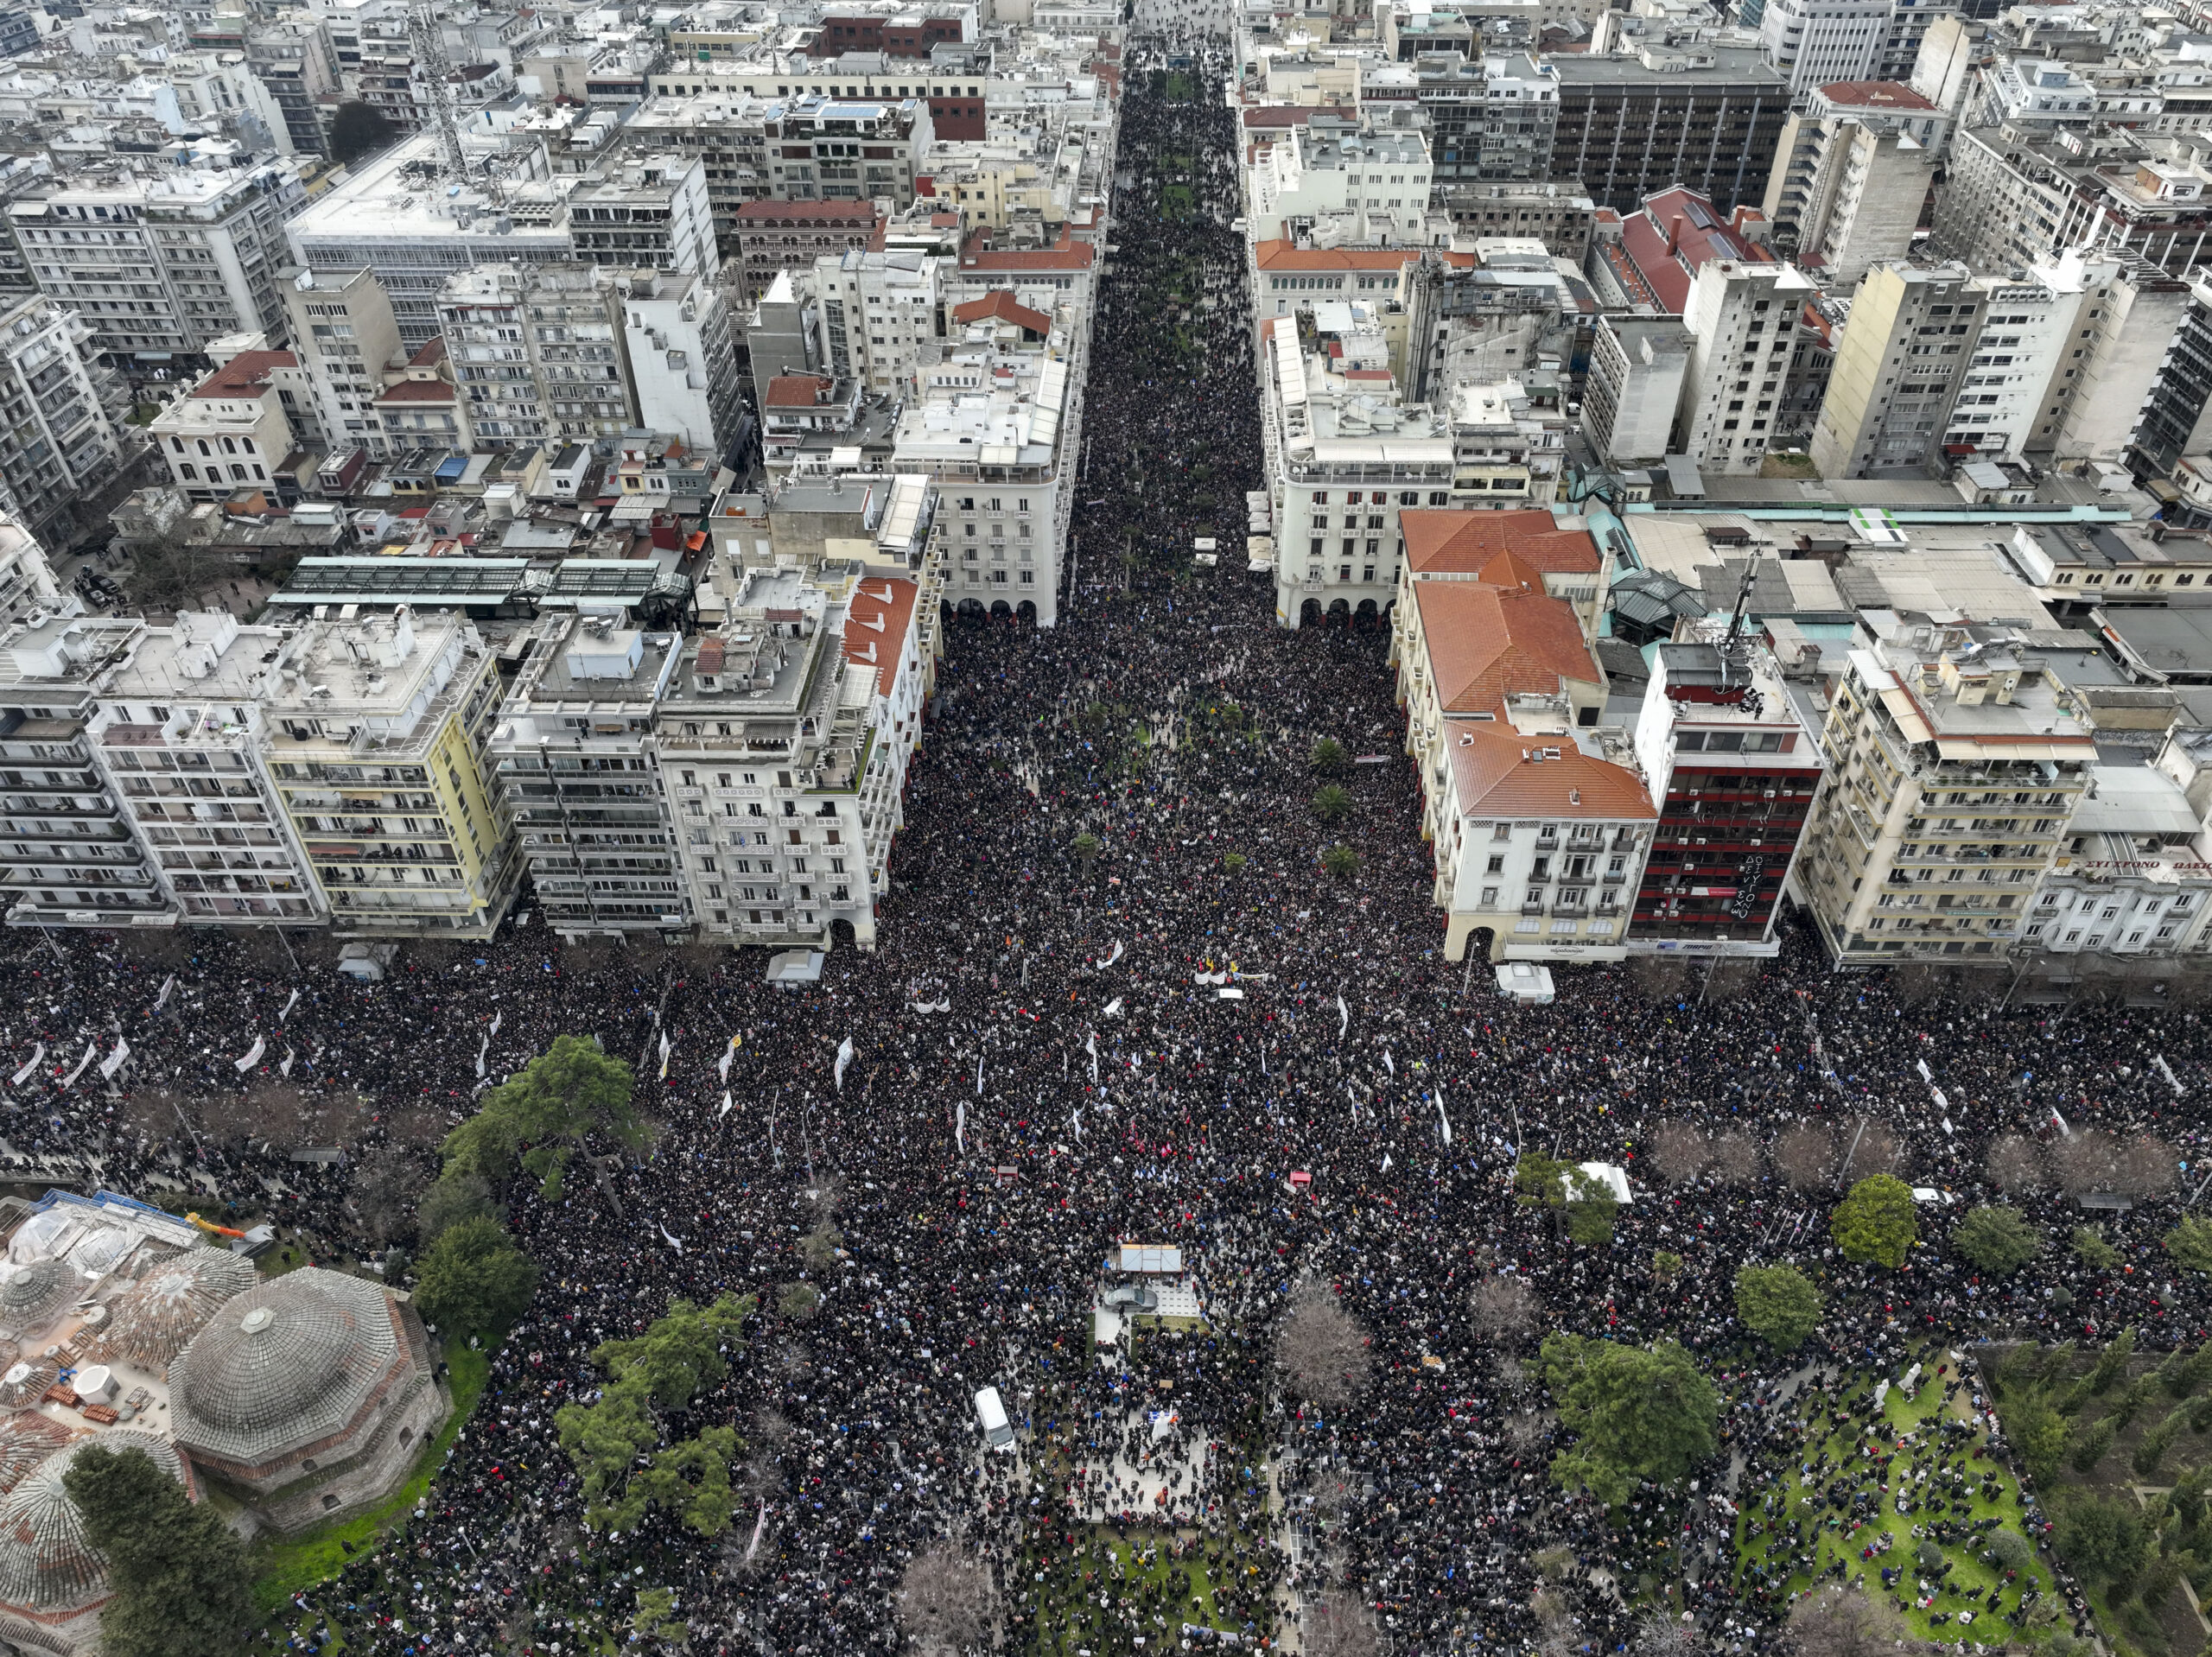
<point x="1119" y="997"/>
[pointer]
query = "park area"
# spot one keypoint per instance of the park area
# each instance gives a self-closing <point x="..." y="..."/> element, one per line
<point x="1905" y="1494"/>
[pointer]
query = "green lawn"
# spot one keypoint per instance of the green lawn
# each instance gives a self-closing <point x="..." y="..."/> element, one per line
<point x="1843" y="1535"/>
<point x="1177" y="201"/>
<point x="292" y="1565"/>
<point x="1144" y="1564"/>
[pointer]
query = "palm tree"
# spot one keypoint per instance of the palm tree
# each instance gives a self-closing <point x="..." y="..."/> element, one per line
<point x="1087" y="846"/>
<point x="1234" y="862"/>
<point x="1341" y="861"/>
<point x="1328" y="756"/>
<point x="1332" y="803"/>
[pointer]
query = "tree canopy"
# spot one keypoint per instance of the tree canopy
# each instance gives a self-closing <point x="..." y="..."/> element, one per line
<point x="1636" y="1412"/>
<point x="179" y="1573"/>
<point x="1997" y="1240"/>
<point x="358" y="130"/>
<point x="1581" y="1199"/>
<point x="474" y="1280"/>
<point x="626" y="1445"/>
<point x="541" y="1116"/>
<point x="1876" y="1221"/>
<point x="1778" y="1303"/>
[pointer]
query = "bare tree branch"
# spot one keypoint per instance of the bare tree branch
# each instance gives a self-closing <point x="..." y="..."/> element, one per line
<point x="1846" y="1623"/>
<point x="1680" y="1152"/>
<point x="1805" y="1155"/>
<point x="1322" y="1350"/>
<point x="946" y="1602"/>
<point x="1506" y="1310"/>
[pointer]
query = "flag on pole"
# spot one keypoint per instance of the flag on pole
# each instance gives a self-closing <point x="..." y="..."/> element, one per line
<point x="978" y="1076"/>
<point x="285" y="1069"/>
<point x="496" y="1017"/>
<point x="1441" y="1118"/>
<point x="1090" y="1047"/>
<point x="1077" y="1122"/>
<point x="252" y="1056"/>
<point x="290" y="1001"/>
<point x="724" y="1111"/>
<point x="673" y="1242"/>
<point x="728" y="1053"/>
<point x="116" y="1060"/>
<point x="1389" y="1065"/>
<point x="483" y="1047"/>
<point x="960" y="1122"/>
<point x="1343" y="1018"/>
<point x="844" y="1057"/>
<point x="664" y="1045"/>
<point x="2061" y="1120"/>
<point x="162" y="999"/>
<point x="90" y="1048"/>
<point x="29" y="1064"/>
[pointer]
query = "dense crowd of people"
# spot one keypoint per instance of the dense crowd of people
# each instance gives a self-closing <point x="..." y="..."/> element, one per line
<point x="1149" y="1032"/>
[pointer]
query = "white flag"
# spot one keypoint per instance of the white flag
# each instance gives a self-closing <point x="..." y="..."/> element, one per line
<point x="724" y="1111"/>
<point x="1090" y="1047"/>
<point x="252" y="1056"/>
<point x="664" y="1045"/>
<point x="116" y="1060"/>
<point x="978" y="1076"/>
<point x="1076" y="1121"/>
<point x="1926" y="1075"/>
<point x="483" y="1047"/>
<point x="496" y="1017"/>
<point x="673" y="1242"/>
<point x="960" y="1122"/>
<point x="1389" y="1063"/>
<point x="2061" y="1120"/>
<point x="758" y="1526"/>
<point x="844" y="1057"/>
<point x="162" y="999"/>
<point x="1386" y="1162"/>
<point x="728" y="1053"/>
<point x="285" y="1069"/>
<point x="289" y="1001"/>
<point x="1111" y="959"/>
<point x="1343" y="1018"/>
<point x="1441" y="1117"/>
<point x="90" y="1048"/>
<point x="29" y="1064"/>
<point x="1941" y="1104"/>
<point x="1114" y="1007"/>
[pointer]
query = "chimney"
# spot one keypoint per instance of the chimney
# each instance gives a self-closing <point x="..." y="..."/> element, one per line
<point x="1674" y="232"/>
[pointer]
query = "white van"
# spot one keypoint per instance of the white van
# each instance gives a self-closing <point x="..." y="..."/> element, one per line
<point x="990" y="1415"/>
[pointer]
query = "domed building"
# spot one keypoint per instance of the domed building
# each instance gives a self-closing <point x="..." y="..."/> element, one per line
<point x="53" y="1582"/>
<point x="151" y="1322"/>
<point x="308" y="1395"/>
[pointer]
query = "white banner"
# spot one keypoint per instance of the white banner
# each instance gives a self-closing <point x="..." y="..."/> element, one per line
<point x="1441" y="1118"/>
<point x="116" y="1060"/>
<point x="290" y="1001"/>
<point x="90" y="1048"/>
<point x="978" y="1076"/>
<point x="285" y="1069"/>
<point x="29" y="1064"/>
<point x="728" y="1053"/>
<point x="673" y="1240"/>
<point x="724" y="1111"/>
<point x="1114" y="1007"/>
<point x="483" y="1046"/>
<point x="1091" y="1048"/>
<point x="1389" y="1065"/>
<point x="162" y="999"/>
<point x="1343" y="1018"/>
<point x="844" y="1057"/>
<point x="252" y="1056"/>
<point x="496" y="1019"/>
<point x="960" y="1122"/>
<point x="664" y="1045"/>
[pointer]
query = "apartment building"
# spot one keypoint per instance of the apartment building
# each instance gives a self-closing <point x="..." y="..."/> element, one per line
<point x="537" y="352"/>
<point x="179" y="729"/>
<point x="2175" y="417"/>
<point x="1904" y="353"/>
<point x="232" y="430"/>
<point x="2017" y="196"/>
<point x="1735" y="771"/>
<point x="2131" y="879"/>
<point x="1372" y="184"/>
<point x="645" y="212"/>
<point x="1509" y="442"/>
<point x="1638" y="366"/>
<point x="1344" y="455"/>
<point x="951" y="81"/>
<point x="727" y="135"/>
<point x="883" y="312"/>
<point x="1492" y="117"/>
<point x="1537" y="817"/>
<point x="2032" y="357"/>
<point x="293" y="58"/>
<point x="71" y="857"/>
<point x="2138" y="320"/>
<point x="1954" y="771"/>
<point x="1815" y="40"/>
<point x="775" y="237"/>
<point x="59" y="443"/>
<point x="572" y="754"/>
<point x="679" y="354"/>
<point x="344" y="337"/>
<point x="1741" y="318"/>
<point x="160" y="266"/>
<point x="1709" y="118"/>
<point x="1030" y="176"/>
<point x="376" y="731"/>
<point x="999" y="425"/>
<point x="843" y="149"/>
<point x="1852" y="177"/>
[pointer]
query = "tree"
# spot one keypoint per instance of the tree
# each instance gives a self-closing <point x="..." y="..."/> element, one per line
<point x="1680" y="1152"/>
<point x="1341" y="861"/>
<point x="2101" y="1538"/>
<point x="179" y="1574"/>
<point x="2146" y="1167"/>
<point x="2091" y="1248"/>
<point x="1332" y="803"/>
<point x="819" y="1248"/>
<point x="385" y="1190"/>
<point x="1337" y="1625"/>
<point x="358" y="129"/>
<point x="1322" y="1349"/>
<point x="946" y="1602"/>
<point x="451" y="1199"/>
<point x="1233" y="862"/>
<point x="1876" y="1221"/>
<point x="1666" y="1265"/>
<point x="2086" y="1162"/>
<point x="1840" y="1622"/>
<point x="1506" y="1309"/>
<point x="799" y="1301"/>
<point x="2190" y="1242"/>
<point x="656" y="1617"/>
<point x="1778" y="1303"/>
<point x="2013" y="1164"/>
<point x="1735" y="1159"/>
<point x="626" y="1445"/>
<point x="1583" y="1200"/>
<point x="2010" y="1550"/>
<point x="474" y="1280"/>
<point x="1997" y="1240"/>
<point x="1328" y="756"/>
<point x="1805" y="1155"/>
<point x="1636" y="1412"/>
<point x="1087" y="846"/>
<point x="541" y="1116"/>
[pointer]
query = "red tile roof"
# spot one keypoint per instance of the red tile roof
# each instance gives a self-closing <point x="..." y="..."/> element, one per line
<point x="1495" y="772"/>
<point x="1466" y="544"/>
<point x="797" y="391"/>
<point x="1486" y="642"/>
<point x="1276" y="114"/>
<point x="1877" y="94"/>
<point x="419" y="391"/>
<point x="1002" y="305"/>
<point x="896" y="611"/>
<point x="432" y="353"/>
<point x="245" y="375"/>
<point x="1280" y="256"/>
<point x="1067" y="254"/>
<point x="1676" y="232"/>
<point x="860" y="214"/>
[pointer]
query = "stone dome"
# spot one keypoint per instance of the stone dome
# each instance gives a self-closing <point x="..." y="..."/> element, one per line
<point x="26" y="1439"/>
<point x="24" y="1382"/>
<point x="150" y="1323"/>
<point x="32" y="1294"/>
<point x="47" y="1562"/>
<point x="284" y="1365"/>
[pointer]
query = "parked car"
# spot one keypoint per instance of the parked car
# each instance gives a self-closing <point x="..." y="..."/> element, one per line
<point x="1131" y="1296"/>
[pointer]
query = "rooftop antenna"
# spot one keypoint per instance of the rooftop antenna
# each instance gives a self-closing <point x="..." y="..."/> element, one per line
<point x="430" y="52"/>
<point x="1732" y="647"/>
